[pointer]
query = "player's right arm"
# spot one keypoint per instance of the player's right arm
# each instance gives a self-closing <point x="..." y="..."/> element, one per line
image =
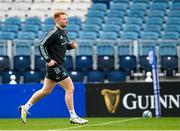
<point x="47" y="40"/>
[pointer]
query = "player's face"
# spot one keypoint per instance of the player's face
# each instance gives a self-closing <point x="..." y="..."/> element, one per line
<point x="63" y="21"/>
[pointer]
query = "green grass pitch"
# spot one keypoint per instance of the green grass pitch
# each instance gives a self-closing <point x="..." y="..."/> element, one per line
<point x="103" y="123"/>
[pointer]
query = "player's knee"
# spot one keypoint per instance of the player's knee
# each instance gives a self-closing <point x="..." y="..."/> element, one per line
<point x="46" y="92"/>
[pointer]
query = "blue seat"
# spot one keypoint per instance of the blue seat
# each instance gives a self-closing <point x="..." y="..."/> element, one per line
<point x="108" y="35"/>
<point x="76" y="76"/>
<point x="159" y="6"/>
<point x="124" y="49"/>
<point x="4" y="63"/>
<point x="3" y="48"/>
<point x="69" y="62"/>
<point x="6" y="76"/>
<point x="85" y="49"/>
<point x="49" y="21"/>
<point x="119" y="6"/>
<point x="32" y="21"/>
<point x="73" y="28"/>
<point x="105" y="53"/>
<point x="132" y="28"/>
<point x="141" y="1"/>
<point x="114" y="20"/>
<point x="99" y="6"/>
<point x="91" y="28"/>
<point x="116" y="13"/>
<point x="40" y="65"/>
<point x="30" y="28"/>
<point x="156" y="13"/>
<point x="173" y="21"/>
<point x="102" y="1"/>
<point x="136" y="13"/>
<point x="139" y="6"/>
<point x="41" y="34"/>
<point x="173" y="13"/>
<point x="46" y="27"/>
<point x="167" y="49"/>
<point x="74" y="20"/>
<point x="152" y="28"/>
<point x="134" y="20"/>
<point x="10" y="28"/>
<point x="129" y="35"/>
<point x="96" y="13"/>
<point x="120" y="1"/>
<point x="7" y="35"/>
<point x="12" y="21"/>
<point x="144" y="65"/>
<point x="32" y="76"/>
<point x="111" y="28"/>
<point x="87" y="35"/>
<point x="128" y="63"/>
<point x="95" y="76"/>
<point x="171" y="35"/>
<point x="172" y="28"/>
<point x="149" y="35"/>
<point x="84" y="62"/>
<point x="94" y="20"/>
<point x="116" y="76"/>
<point x="72" y="35"/>
<point x="24" y="35"/>
<point x="154" y="21"/>
<point x="145" y="47"/>
<point x="175" y="6"/>
<point x="169" y="65"/>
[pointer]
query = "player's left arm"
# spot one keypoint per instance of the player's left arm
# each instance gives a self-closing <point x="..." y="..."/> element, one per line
<point x="72" y="45"/>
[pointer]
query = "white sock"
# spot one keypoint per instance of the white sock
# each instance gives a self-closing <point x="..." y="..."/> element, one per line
<point x="27" y="106"/>
<point x="72" y="113"/>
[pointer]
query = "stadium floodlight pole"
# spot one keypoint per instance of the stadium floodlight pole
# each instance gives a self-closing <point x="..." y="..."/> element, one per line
<point x="153" y="62"/>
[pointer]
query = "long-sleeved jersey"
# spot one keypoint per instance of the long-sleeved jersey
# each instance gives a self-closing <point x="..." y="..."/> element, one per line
<point x="54" y="45"/>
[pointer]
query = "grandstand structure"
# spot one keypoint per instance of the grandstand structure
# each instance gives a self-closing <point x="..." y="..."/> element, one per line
<point x="114" y="38"/>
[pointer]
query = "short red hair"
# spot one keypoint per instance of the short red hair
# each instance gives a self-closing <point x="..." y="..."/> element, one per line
<point x="59" y="13"/>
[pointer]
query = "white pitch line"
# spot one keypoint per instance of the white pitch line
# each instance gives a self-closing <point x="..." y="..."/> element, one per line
<point x="100" y="124"/>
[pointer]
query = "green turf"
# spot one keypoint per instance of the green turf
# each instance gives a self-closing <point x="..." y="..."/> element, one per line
<point x="167" y="123"/>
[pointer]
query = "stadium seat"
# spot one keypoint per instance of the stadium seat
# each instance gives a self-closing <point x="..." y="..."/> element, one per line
<point x="154" y="21"/>
<point x="94" y="20"/>
<point x="132" y="28"/>
<point x="116" y="14"/>
<point x="173" y="21"/>
<point x="124" y="49"/>
<point x="26" y="35"/>
<point x="33" y="21"/>
<point x="46" y="27"/>
<point x="114" y="20"/>
<point x="139" y="6"/>
<point x="73" y="35"/>
<point x="105" y="53"/>
<point x="40" y="65"/>
<point x="7" y="35"/>
<point x="159" y="6"/>
<point x="128" y="63"/>
<point x="156" y="13"/>
<point x="49" y="21"/>
<point x="30" y="28"/>
<point x="145" y="47"/>
<point x="129" y="35"/>
<point x="91" y="28"/>
<point x="175" y="6"/>
<point x="111" y="28"/>
<point x="87" y="35"/>
<point x="12" y="21"/>
<point x="73" y="28"/>
<point x="4" y="63"/>
<point x="152" y="28"/>
<point x="69" y="62"/>
<point x="134" y="20"/>
<point x="170" y="35"/>
<point x="119" y="6"/>
<point x="98" y="14"/>
<point x="167" y="49"/>
<point x="108" y="35"/>
<point x="95" y="76"/>
<point x="74" y="20"/>
<point x="99" y="6"/>
<point x="173" y="13"/>
<point x="136" y="13"/>
<point x="31" y="76"/>
<point x="116" y="76"/>
<point x="169" y="65"/>
<point x="3" y="48"/>
<point x="10" y="28"/>
<point x="21" y="63"/>
<point x="149" y="35"/>
<point x="6" y="76"/>
<point x="76" y="76"/>
<point x="172" y="28"/>
<point x="144" y="65"/>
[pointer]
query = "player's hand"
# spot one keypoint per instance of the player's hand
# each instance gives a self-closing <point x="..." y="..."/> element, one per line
<point x="52" y="63"/>
<point x="74" y="44"/>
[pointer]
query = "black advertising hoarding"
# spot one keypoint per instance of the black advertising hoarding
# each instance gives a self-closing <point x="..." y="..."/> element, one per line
<point x="131" y="99"/>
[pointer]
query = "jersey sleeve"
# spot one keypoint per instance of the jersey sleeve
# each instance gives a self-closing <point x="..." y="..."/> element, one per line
<point x="47" y="40"/>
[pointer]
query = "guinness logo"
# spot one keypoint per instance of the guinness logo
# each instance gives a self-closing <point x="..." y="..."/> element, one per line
<point x="112" y="99"/>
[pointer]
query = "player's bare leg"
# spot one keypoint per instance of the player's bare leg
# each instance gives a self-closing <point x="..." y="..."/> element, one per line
<point x="46" y="90"/>
<point x="67" y="84"/>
